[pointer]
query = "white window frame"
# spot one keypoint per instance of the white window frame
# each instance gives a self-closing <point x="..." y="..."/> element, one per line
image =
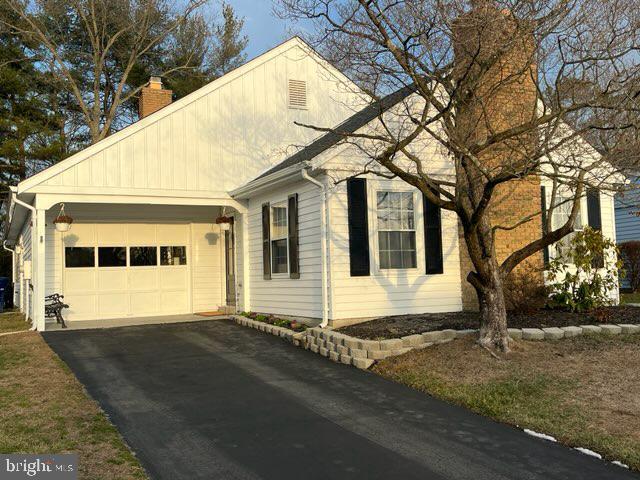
<point x="554" y="224"/>
<point x="285" y="205"/>
<point x="374" y="229"/>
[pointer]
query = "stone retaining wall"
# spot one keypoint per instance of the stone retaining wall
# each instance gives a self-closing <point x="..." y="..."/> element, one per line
<point x="363" y="353"/>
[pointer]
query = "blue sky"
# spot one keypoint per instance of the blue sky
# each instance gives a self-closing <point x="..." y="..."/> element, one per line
<point x="262" y="27"/>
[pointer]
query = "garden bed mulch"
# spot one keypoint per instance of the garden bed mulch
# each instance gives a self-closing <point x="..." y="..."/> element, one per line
<point x="403" y="325"/>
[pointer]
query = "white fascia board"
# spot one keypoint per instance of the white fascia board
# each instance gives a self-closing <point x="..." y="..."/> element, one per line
<point x="73" y="160"/>
<point x="48" y="200"/>
<point x="269" y="182"/>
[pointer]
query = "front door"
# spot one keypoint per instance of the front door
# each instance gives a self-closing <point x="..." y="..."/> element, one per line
<point x="230" y="266"/>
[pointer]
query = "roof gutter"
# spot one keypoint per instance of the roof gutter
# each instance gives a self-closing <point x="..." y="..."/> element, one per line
<point x="323" y="245"/>
<point x="17" y="201"/>
<point x="270" y="181"/>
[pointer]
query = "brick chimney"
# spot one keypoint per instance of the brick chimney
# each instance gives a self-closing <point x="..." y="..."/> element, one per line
<point x="501" y="96"/>
<point x="153" y="97"/>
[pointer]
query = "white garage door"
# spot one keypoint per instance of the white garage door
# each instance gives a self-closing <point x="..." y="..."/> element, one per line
<point x="119" y="270"/>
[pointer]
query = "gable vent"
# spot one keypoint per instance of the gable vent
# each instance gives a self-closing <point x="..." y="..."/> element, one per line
<point x="297" y="94"/>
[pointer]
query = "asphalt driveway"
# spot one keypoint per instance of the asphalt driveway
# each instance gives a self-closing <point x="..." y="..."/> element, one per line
<point x="211" y="400"/>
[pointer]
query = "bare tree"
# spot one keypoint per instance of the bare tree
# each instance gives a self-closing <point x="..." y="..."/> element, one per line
<point x="506" y="90"/>
<point x="94" y="47"/>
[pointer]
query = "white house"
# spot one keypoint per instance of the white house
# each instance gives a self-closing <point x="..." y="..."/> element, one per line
<point x="145" y="201"/>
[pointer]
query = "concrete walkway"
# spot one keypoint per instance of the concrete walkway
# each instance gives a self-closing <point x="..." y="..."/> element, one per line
<point x="212" y="400"/>
<point x="128" y="322"/>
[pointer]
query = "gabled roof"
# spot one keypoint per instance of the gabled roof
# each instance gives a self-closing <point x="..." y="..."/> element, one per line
<point x="338" y="133"/>
<point x="61" y="167"/>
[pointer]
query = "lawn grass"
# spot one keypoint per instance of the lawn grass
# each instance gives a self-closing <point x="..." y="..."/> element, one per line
<point x="584" y="391"/>
<point x="630" y="297"/>
<point x="44" y="409"/>
<point x="12" y="322"/>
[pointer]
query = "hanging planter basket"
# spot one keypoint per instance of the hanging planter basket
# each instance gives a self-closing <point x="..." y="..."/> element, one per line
<point x="224" y="222"/>
<point x="62" y="222"/>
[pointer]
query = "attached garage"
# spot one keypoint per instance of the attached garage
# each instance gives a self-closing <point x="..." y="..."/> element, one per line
<point x="137" y="261"/>
<point x="114" y="270"/>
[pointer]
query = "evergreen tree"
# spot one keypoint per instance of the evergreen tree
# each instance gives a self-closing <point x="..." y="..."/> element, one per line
<point x="29" y="127"/>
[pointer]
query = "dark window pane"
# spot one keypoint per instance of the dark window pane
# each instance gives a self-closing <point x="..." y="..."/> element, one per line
<point x="76" y="257"/>
<point x="279" y="256"/>
<point x="173" y="255"/>
<point x="384" y="259"/>
<point x="383" y="240"/>
<point x="143" y="256"/>
<point x="397" y="249"/>
<point x="112" y="257"/>
<point x="395" y="259"/>
<point x="409" y="259"/>
<point x="408" y="240"/>
<point x="394" y="240"/>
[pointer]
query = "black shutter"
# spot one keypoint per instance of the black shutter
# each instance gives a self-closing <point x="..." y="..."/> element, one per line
<point x="358" y="227"/>
<point x="294" y="256"/>
<point x="266" y="241"/>
<point x="543" y="209"/>
<point x="595" y="221"/>
<point x="432" y="237"/>
<point x="593" y="209"/>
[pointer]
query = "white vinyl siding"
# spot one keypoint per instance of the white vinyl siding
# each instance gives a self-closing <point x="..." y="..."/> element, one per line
<point x="207" y="260"/>
<point x="23" y="291"/>
<point x="390" y="292"/>
<point x="283" y="295"/>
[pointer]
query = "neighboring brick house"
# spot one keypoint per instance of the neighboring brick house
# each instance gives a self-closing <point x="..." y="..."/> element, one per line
<point x="198" y="206"/>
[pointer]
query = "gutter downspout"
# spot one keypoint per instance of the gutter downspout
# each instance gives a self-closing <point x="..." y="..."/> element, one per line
<point x="34" y="220"/>
<point x="323" y="245"/>
<point x="4" y="245"/>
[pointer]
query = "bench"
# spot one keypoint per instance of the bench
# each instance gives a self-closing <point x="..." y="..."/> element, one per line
<point x="53" y="307"/>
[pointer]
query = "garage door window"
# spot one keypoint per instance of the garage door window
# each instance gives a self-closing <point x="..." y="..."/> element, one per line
<point x="173" y="255"/>
<point x="143" y="256"/>
<point x="112" y="257"/>
<point x="78" y="257"/>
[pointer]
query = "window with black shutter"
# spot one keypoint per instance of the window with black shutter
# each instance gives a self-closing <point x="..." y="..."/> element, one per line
<point x="594" y="217"/>
<point x="432" y="237"/>
<point x="266" y="243"/>
<point x="294" y="260"/>
<point x="279" y="239"/>
<point x="396" y="230"/>
<point x="543" y="207"/>
<point x="358" y="227"/>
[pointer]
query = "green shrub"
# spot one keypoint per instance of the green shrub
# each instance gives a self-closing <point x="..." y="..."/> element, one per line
<point x="584" y="272"/>
<point x="279" y="322"/>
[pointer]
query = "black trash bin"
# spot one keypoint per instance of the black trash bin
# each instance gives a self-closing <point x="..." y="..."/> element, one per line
<point x="4" y="283"/>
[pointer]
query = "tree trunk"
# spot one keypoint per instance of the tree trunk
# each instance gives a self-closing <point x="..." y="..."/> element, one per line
<point x="493" y="313"/>
<point x="488" y="284"/>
